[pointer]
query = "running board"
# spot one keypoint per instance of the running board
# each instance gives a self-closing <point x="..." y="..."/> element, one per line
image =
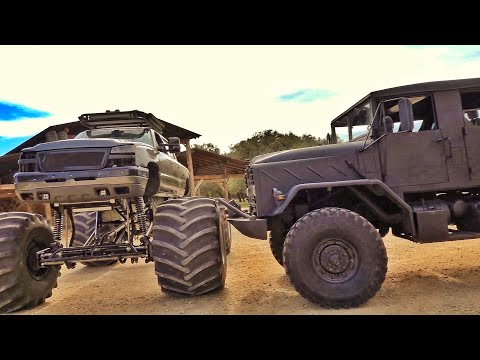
<point x="453" y="235"/>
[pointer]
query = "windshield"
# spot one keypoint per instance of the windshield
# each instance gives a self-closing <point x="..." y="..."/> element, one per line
<point x="354" y="124"/>
<point x="136" y="135"/>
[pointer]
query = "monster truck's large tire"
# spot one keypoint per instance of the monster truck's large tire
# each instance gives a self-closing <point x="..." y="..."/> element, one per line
<point x="335" y="258"/>
<point x="228" y="238"/>
<point x="190" y="257"/>
<point x="227" y="231"/>
<point x="84" y="227"/>
<point x="22" y="283"/>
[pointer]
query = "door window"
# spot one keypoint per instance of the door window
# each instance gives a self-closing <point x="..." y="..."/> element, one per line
<point x="471" y="108"/>
<point x="423" y="114"/>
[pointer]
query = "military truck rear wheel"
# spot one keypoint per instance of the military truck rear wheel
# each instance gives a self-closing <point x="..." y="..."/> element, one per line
<point x="335" y="258"/>
<point x="188" y="248"/>
<point x="471" y="221"/>
<point x="23" y="284"/>
<point x="84" y="227"/>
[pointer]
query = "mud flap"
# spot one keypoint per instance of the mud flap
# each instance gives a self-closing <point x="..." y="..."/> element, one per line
<point x="254" y="228"/>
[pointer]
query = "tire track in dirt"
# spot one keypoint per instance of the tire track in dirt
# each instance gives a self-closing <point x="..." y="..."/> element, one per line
<point x="440" y="278"/>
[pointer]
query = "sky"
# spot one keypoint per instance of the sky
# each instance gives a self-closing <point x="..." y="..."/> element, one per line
<point x="224" y="93"/>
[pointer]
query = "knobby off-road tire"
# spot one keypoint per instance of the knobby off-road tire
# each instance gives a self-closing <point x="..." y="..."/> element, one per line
<point x="228" y="238"/>
<point x="84" y="227"/>
<point x="277" y="239"/>
<point x="276" y="245"/>
<point x="470" y="222"/>
<point x="189" y="254"/>
<point x="227" y="231"/>
<point x="383" y="230"/>
<point x="23" y="284"/>
<point x="335" y="258"/>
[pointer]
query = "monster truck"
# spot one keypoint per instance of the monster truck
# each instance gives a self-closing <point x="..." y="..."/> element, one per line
<point x="124" y="192"/>
<point x="403" y="159"/>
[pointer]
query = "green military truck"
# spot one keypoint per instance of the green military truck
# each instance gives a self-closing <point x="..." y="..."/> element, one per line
<point x="403" y="159"/>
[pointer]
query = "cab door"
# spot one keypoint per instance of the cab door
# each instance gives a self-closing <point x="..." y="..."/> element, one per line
<point x="471" y="131"/>
<point x="417" y="157"/>
<point x="166" y="166"/>
<point x="449" y="114"/>
<point x="172" y="178"/>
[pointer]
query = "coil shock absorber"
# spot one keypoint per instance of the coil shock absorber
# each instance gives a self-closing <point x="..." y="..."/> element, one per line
<point x="58" y="225"/>
<point x="141" y="216"/>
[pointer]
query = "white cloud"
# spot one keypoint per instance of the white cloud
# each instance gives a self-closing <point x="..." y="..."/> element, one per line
<point x="225" y="93"/>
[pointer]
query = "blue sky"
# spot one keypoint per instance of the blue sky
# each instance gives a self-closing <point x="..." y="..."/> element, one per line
<point x="225" y="93"/>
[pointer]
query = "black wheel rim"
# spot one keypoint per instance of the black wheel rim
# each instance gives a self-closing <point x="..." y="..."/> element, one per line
<point x="335" y="260"/>
<point x="33" y="266"/>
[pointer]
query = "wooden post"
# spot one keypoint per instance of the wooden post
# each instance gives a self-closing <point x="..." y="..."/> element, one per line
<point x="225" y="182"/>
<point x="190" y="168"/>
<point x="197" y="186"/>
<point x="225" y="190"/>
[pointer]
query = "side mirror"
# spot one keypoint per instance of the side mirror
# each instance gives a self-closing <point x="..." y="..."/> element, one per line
<point x="405" y="112"/>
<point x="174" y="145"/>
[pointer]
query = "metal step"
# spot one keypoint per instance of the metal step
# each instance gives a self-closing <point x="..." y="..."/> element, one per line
<point x="452" y="236"/>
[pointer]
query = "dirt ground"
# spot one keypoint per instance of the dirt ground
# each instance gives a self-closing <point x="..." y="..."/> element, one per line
<point x="442" y="278"/>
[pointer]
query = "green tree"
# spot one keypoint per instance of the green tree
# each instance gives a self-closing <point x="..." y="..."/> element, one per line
<point x="264" y="142"/>
<point x="268" y="141"/>
<point x="208" y="147"/>
<point x="210" y="189"/>
<point x="237" y="188"/>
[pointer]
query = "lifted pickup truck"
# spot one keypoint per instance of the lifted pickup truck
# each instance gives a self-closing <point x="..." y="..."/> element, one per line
<point x="125" y="194"/>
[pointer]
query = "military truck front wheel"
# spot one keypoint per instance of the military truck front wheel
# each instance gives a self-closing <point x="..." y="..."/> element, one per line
<point x="383" y="230"/>
<point x="277" y="238"/>
<point x="23" y="283"/>
<point x="335" y="258"/>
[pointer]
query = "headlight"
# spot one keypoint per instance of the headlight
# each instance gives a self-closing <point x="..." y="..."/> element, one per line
<point x="124" y="149"/>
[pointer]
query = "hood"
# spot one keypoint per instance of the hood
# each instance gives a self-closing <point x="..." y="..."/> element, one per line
<point x="77" y="144"/>
<point x="310" y="152"/>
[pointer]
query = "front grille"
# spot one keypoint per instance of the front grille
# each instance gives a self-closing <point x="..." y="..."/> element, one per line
<point x="250" y="191"/>
<point x="72" y="160"/>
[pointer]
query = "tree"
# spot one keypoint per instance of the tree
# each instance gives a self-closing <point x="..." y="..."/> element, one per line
<point x="264" y="142"/>
<point x="210" y="189"/>
<point x="238" y="188"/>
<point x="268" y="141"/>
<point x="208" y="147"/>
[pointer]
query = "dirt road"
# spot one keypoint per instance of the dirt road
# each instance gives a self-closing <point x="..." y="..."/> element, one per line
<point x="441" y="278"/>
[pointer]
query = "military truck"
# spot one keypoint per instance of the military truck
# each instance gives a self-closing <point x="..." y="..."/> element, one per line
<point x="403" y="159"/>
<point x="125" y="194"/>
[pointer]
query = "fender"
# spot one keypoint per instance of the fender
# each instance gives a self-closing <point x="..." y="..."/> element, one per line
<point x="350" y="184"/>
